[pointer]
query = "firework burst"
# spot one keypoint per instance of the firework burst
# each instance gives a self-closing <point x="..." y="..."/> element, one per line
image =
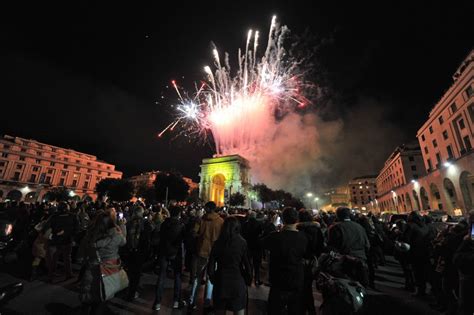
<point x="236" y="108"/>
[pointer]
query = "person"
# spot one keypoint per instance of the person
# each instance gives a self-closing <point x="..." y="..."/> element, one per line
<point x="229" y="269"/>
<point x="314" y="249"/>
<point x="349" y="238"/>
<point x="286" y="271"/>
<point x="209" y="231"/>
<point x="103" y="238"/>
<point x="64" y="226"/>
<point x="417" y="235"/>
<point x="464" y="261"/>
<point x="136" y="246"/>
<point x="170" y="252"/>
<point x="401" y="254"/>
<point x="252" y="231"/>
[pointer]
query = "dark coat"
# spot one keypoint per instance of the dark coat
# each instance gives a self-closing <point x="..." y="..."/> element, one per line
<point x="464" y="261"/>
<point x="315" y="238"/>
<point x="418" y="236"/>
<point x="225" y="268"/>
<point x="252" y="231"/>
<point x="66" y="222"/>
<point x="171" y="237"/>
<point x="287" y="249"/>
<point x="349" y="238"/>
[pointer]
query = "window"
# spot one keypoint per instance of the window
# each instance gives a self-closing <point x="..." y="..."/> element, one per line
<point x="35" y="168"/>
<point x="23" y="150"/>
<point x="63" y="173"/>
<point x="461" y="124"/>
<point x="413" y="167"/>
<point x="435" y="143"/>
<point x="438" y="159"/>
<point x="2" y="163"/>
<point x="53" y="156"/>
<point x="441" y="120"/>
<point x="450" y="152"/>
<point x="33" y="178"/>
<point x="431" y="129"/>
<point x="16" y="176"/>
<point x="22" y="158"/>
<point x="89" y="170"/>
<point x="66" y="159"/>
<point x="467" y="143"/>
<point x="108" y="174"/>
<point x="75" y="175"/>
<point x="86" y="185"/>
<point x="430" y="167"/>
<point x="426" y="150"/>
<point x="453" y="107"/>
<point x="422" y="137"/>
<point x="78" y="168"/>
<point x="445" y="135"/>
<point x="88" y="163"/>
<point x="61" y="182"/>
<point x="411" y="158"/>
<point x="4" y="155"/>
<point x="19" y="166"/>
<point x="39" y="153"/>
<point x="50" y="171"/>
<point x="48" y="180"/>
<point x="66" y="167"/>
<point x="38" y="161"/>
<point x="78" y="162"/>
<point x="74" y="183"/>
<point x="51" y="163"/>
<point x="470" y="91"/>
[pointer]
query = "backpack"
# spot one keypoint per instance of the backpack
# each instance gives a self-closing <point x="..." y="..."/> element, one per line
<point x="342" y="296"/>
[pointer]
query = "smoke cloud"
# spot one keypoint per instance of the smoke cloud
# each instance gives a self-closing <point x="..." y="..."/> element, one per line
<point x="304" y="152"/>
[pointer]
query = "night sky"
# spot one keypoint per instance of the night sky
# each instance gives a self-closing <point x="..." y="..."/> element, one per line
<point x="93" y="77"/>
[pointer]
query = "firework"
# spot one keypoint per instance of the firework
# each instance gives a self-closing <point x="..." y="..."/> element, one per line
<point x="234" y="107"/>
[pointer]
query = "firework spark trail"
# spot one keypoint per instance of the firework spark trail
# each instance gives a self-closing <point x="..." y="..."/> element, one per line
<point x="238" y="109"/>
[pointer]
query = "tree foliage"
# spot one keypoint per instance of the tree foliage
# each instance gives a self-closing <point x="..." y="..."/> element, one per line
<point x="115" y="189"/>
<point x="237" y="199"/>
<point x="58" y="194"/>
<point x="174" y="182"/>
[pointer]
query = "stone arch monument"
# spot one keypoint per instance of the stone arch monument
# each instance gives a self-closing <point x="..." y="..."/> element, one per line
<point x="223" y="176"/>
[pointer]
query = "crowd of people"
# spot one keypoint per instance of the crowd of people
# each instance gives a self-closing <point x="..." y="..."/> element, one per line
<point x="224" y="250"/>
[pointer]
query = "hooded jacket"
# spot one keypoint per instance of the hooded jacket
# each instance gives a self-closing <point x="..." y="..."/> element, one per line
<point x="209" y="231"/>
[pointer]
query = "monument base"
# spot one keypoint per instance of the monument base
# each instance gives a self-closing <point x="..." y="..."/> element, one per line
<point x="223" y="176"/>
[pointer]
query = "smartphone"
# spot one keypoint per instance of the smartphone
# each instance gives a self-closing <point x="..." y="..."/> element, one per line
<point x="120" y="215"/>
<point x="472" y="231"/>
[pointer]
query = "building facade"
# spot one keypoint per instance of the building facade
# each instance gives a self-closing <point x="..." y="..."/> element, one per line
<point x="336" y="197"/>
<point x="404" y="165"/>
<point x="363" y="191"/>
<point x="147" y="179"/>
<point x="29" y="169"/>
<point x="446" y="141"/>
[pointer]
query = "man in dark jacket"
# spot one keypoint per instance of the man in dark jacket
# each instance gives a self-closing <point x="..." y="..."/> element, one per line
<point x="349" y="238"/>
<point x="64" y="226"/>
<point x="170" y="251"/>
<point x="418" y="236"/>
<point x="287" y="249"/>
<point x="252" y="232"/>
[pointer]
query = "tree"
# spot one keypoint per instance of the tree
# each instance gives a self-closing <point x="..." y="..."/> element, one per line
<point x="58" y="194"/>
<point x="193" y="196"/>
<point x="115" y="189"/>
<point x="146" y="192"/>
<point x="237" y="199"/>
<point x="264" y="193"/>
<point x="174" y="182"/>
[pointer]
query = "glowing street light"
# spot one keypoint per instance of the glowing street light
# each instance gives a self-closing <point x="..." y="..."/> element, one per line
<point x="71" y="194"/>
<point x="309" y="194"/>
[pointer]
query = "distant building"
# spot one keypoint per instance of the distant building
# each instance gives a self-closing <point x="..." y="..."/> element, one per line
<point x="446" y="140"/>
<point x="336" y="197"/>
<point x="362" y="191"/>
<point x="404" y="165"/>
<point x="29" y="169"/>
<point x="147" y="179"/>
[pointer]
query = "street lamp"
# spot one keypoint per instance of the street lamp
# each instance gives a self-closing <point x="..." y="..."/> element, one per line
<point x="316" y="202"/>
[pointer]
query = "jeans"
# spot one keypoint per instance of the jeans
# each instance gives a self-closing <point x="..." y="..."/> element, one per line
<point x="199" y="270"/>
<point x="52" y="257"/>
<point x="176" y="264"/>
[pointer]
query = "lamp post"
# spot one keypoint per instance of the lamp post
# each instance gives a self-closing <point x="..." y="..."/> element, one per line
<point x="316" y="202"/>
